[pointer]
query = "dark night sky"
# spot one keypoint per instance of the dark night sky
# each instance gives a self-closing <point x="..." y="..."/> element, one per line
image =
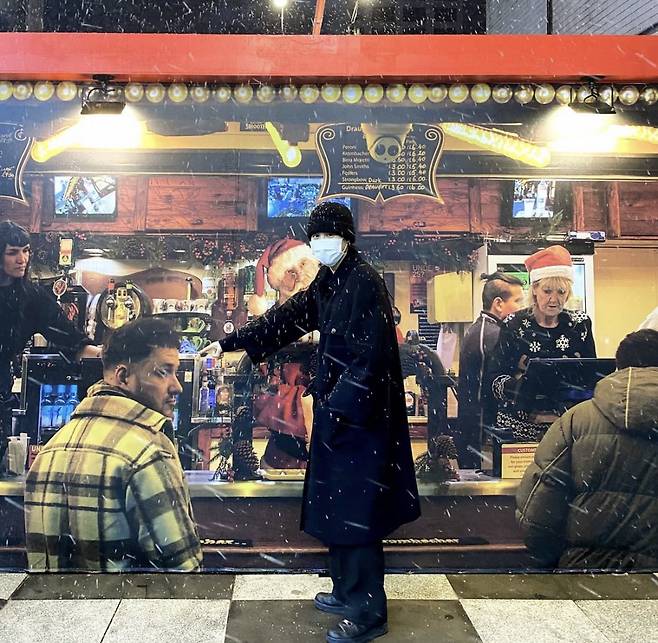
<point x="256" y="16"/>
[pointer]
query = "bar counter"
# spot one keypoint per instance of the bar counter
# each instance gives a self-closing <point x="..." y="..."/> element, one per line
<point x="468" y="524"/>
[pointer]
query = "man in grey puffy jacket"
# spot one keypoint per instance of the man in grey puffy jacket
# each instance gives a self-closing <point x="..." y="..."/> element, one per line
<point x="590" y="499"/>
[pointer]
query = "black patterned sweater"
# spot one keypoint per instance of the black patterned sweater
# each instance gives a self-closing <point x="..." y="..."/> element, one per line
<point x="522" y="338"/>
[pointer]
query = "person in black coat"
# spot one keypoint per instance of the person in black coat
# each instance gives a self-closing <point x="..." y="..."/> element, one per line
<point x="360" y="483"/>
<point x="502" y="295"/>
<point x="27" y="309"/>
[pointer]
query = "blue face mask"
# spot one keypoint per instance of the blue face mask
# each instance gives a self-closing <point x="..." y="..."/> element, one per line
<point x="329" y="250"/>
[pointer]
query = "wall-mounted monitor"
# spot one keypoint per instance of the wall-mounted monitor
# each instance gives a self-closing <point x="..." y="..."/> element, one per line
<point x="85" y="196"/>
<point x="533" y="199"/>
<point x="295" y="196"/>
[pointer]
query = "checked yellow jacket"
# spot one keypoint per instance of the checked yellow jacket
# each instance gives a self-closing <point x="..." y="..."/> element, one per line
<point x="107" y="492"/>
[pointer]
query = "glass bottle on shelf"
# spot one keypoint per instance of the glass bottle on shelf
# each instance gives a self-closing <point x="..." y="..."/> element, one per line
<point x="46" y="411"/>
<point x="203" y="395"/>
<point x="212" y="393"/>
<point x="59" y="407"/>
<point x="71" y="402"/>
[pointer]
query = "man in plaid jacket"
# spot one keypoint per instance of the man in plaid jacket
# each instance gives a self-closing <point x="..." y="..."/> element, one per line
<point x="107" y="493"/>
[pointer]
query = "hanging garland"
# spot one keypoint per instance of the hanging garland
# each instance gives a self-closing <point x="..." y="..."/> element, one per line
<point x="457" y="254"/>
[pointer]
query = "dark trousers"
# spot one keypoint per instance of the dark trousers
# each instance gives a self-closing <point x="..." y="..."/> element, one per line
<point x="357" y="572"/>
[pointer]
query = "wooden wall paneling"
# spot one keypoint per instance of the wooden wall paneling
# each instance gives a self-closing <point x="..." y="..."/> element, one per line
<point x="248" y="188"/>
<point x="492" y="202"/>
<point x="123" y="223"/>
<point x="474" y="205"/>
<point x="595" y="205"/>
<point x="578" y="197"/>
<point x="638" y="211"/>
<point x="141" y="202"/>
<point x="196" y="203"/>
<point x="21" y="213"/>
<point x="422" y="213"/>
<point x="614" y="216"/>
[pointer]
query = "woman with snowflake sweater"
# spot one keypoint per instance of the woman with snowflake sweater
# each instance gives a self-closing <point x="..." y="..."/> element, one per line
<point x="544" y="330"/>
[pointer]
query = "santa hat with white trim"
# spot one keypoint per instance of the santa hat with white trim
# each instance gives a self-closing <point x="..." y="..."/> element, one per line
<point x="554" y="261"/>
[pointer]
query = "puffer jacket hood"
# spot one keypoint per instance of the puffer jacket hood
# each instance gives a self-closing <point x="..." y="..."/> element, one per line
<point x="629" y="399"/>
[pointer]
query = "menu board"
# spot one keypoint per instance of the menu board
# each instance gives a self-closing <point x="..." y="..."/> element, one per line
<point x="379" y="161"/>
<point x="14" y="152"/>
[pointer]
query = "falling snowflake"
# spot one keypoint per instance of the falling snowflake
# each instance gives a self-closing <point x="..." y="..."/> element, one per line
<point x="562" y="343"/>
<point x="534" y="347"/>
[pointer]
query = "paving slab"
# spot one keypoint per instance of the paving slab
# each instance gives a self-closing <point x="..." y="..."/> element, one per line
<point x="166" y="620"/>
<point x="54" y="621"/>
<point x="130" y="586"/>
<point x="539" y="621"/>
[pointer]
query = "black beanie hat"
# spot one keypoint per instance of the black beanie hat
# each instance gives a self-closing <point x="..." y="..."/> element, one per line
<point x="638" y="349"/>
<point x="331" y="218"/>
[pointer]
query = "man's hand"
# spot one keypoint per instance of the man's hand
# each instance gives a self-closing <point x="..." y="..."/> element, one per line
<point x="90" y="351"/>
<point x="213" y="349"/>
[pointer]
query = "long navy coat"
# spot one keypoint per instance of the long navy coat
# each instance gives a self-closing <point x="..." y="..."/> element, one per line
<point x="360" y="483"/>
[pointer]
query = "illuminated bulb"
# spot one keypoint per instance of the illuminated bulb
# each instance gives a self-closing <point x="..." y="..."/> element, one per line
<point x="396" y="93"/>
<point x="480" y="93"/>
<point x="288" y="93"/>
<point x="564" y="94"/>
<point x="330" y="93"/>
<point x="523" y="94"/>
<point x="243" y="93"/>
<point x="265" y="93"/>
<point x="280" y="4"/>
<point x="580" y="132"/>
<point x="44" y="91"/>
<point x="222" y="93"/>
<point x="308" y="94"/>
<point x="437" y="93"/>
<point x="352" y="93"/>
<point x="292" y="157"/>
<point x="608" y="94"/>
<point x="417" y="93"/>
<point x="582" y="93"/>
<point x="6" y="90"/>
<point x="177" y="92"/>
<point x="502" y="93"/>
<point x="544" y="94"/>
<point x="628" y="95"/>
<point x="134" y="92"/>
<point x="458" y="93"/>
<point x="155" y="93"/>
<point x="200" y="94"/>
<point x="373" y="93"/>
<point x="22" y="91"/>
<point x="649" y="96"/>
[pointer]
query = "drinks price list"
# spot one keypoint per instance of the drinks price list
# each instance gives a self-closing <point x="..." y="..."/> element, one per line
<point x="14" y="153"/>
<point x="379" y="162"/>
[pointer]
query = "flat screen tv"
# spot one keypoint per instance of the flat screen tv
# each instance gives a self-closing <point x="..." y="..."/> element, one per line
<point x="295" y="196"/>
<point x="85" y="196"/>
<point x="534" y="199"/>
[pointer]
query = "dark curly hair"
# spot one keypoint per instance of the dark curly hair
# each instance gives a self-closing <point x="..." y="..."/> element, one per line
<point x="12" y="234"/>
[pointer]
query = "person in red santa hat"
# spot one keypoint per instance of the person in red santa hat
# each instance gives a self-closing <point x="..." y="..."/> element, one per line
<point x="546" y="329"/>
<point x="288" y="266"/>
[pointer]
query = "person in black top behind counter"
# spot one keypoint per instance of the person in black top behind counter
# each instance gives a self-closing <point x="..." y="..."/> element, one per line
<point x="502" y="295"/>
<point x="545" y="330"/>
<point x="27" y="309"/>
<point x="360" y="483"/>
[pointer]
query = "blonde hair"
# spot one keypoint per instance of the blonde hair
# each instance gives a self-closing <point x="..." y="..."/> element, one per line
<point x="554" y="283"/>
